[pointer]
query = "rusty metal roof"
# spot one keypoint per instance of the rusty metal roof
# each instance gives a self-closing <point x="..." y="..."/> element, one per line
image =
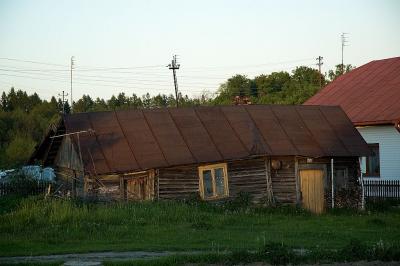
<point x="134" y="140"/>
<point x="369" y="94"/>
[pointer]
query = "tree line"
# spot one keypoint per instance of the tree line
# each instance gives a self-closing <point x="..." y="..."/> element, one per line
<point x="25" y="118"/>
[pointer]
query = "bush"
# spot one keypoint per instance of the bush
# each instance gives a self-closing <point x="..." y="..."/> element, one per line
<point x="277" y="253"/>
<point x="353" y="251"/>
<point x="382" y="205"/>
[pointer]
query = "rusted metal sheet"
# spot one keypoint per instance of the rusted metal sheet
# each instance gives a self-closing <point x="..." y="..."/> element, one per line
<point x="273" y="133"/>
<point x="369" y="94"/>
<point x="242" y="123"/>
<point x="297" y="132"/>
<point x="134" y="140"/>
<point x="112" y="141"/>
<point x="322" y="132"/>
<point x="141" y="139"/>
<point x="169" y="139"/>
<point x="222" y="134"/>
<point x="195" y="135"/>
<point x="348" y="135"/>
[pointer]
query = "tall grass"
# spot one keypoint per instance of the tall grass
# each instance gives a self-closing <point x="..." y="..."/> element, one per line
<point x="40" y="226"/>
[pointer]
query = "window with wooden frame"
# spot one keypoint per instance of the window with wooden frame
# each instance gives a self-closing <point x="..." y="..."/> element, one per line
<point x="213" y="181"/>
<point x="372" y="162"/>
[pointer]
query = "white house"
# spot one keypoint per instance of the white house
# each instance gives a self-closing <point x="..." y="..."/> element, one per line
<point x="370" y="96"/>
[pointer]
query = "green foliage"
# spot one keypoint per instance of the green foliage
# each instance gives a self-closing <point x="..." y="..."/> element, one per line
<point x="42" y="226"/>
<point x="275" y="88"/>
<point x="9" y="203"/>
<point x="19" y="150"/>
<point x="382" y="204"/>
<point x="277" y="254"/>
<point x="339" y="70"/>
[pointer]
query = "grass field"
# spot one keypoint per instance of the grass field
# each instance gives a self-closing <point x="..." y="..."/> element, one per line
<point x="36" y="226"/>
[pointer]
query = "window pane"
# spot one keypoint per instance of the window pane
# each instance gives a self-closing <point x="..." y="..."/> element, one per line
<point x="219" y="181"/>
<point x="207" y="181"/>
<point x="340" y="177"/>
<point x="373" y="161"/>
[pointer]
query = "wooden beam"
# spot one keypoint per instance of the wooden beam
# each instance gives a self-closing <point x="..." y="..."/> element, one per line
<point x="122" y="188"/>
<point x="296" y="172"/>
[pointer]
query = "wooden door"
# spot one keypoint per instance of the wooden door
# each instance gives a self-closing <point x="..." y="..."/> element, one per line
<point x="139" y="186"/>
<point x="312" y="189"/>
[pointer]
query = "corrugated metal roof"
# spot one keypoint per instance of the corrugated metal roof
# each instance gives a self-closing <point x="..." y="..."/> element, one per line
<point x="134" y="140"/>
<point x="369" y="94"/>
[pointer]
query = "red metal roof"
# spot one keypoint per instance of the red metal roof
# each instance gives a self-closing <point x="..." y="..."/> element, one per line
<point x="369" y="94"/>
<point x="134" y="140"/>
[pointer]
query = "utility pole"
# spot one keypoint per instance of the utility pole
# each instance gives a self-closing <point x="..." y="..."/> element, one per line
<point x="344" y="41"/>
<point x="319" y="64"/>
<point x="63" y="95"/>
<point x="72" y="67"/>
<point x="175" y="66"/>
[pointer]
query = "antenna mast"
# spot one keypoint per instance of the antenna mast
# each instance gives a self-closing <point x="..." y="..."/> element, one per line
<point x="344" y="41"/>
<point x="72" y="67"/>
<point x="319" y="64"/>
<point x="175" y="66"/>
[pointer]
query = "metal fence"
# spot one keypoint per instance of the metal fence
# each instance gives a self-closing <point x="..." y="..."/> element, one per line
<point x="24" y="188"/>
<point x="382" y="189"/>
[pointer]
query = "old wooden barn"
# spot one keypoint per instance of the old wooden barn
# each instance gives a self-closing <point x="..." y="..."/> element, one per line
<point x="272" y="153"/>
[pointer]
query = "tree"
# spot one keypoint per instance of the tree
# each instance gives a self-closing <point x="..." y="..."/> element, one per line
<point x="19" y="150"/>
<point x="4" y="102"/>
<point x="238" y="85"/>
<point x="307" y="75"/>
<point x="334" y="74"/>
<point x="84" y="104"/>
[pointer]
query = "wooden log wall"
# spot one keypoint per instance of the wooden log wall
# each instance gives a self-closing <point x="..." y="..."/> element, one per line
<point x="284" y="181"/>
<point x="248" y="176"/>
<point x="178" y="182"/>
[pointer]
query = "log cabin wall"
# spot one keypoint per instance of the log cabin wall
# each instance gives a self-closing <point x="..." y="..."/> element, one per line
<point x="178" y="182"/>
<point x="284" y="181"/>
<point x="248" y="176"/>
<point x="347" y="190"/>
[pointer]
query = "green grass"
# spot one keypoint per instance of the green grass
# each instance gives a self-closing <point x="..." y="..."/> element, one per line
<point x="276" y="254"/>
<point x="36" y="226"/>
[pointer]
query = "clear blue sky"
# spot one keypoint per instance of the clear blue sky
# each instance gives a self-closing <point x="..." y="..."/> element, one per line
<point x="214" y="39"/>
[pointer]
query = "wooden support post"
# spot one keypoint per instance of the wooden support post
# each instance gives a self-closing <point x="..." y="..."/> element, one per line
<point x="270" y="195"/>
<point x="332" y="185"/>
<point x="122" y="188"/>
<point x="74" y="186"/>
<point x="296" y="175"/>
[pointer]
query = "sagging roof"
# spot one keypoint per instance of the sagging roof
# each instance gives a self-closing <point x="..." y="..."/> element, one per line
<point x="134" y="140"/>
<point x="369" y="94"/>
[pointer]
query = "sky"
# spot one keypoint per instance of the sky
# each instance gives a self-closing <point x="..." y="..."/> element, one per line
<point x="125" y="46"/>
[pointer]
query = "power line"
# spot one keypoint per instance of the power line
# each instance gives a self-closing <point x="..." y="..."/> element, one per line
<point x="115" y="86"/>
<point x="29" y="61"/>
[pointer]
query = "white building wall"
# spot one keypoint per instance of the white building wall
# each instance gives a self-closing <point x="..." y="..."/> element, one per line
<point x="389" y="149"/>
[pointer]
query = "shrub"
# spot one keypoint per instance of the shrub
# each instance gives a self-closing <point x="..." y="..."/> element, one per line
<point x="354" y="250"/>
<point x="278" y="253"/>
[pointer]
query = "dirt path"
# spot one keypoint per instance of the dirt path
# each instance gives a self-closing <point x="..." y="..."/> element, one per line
<point x="94" y="258"/>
